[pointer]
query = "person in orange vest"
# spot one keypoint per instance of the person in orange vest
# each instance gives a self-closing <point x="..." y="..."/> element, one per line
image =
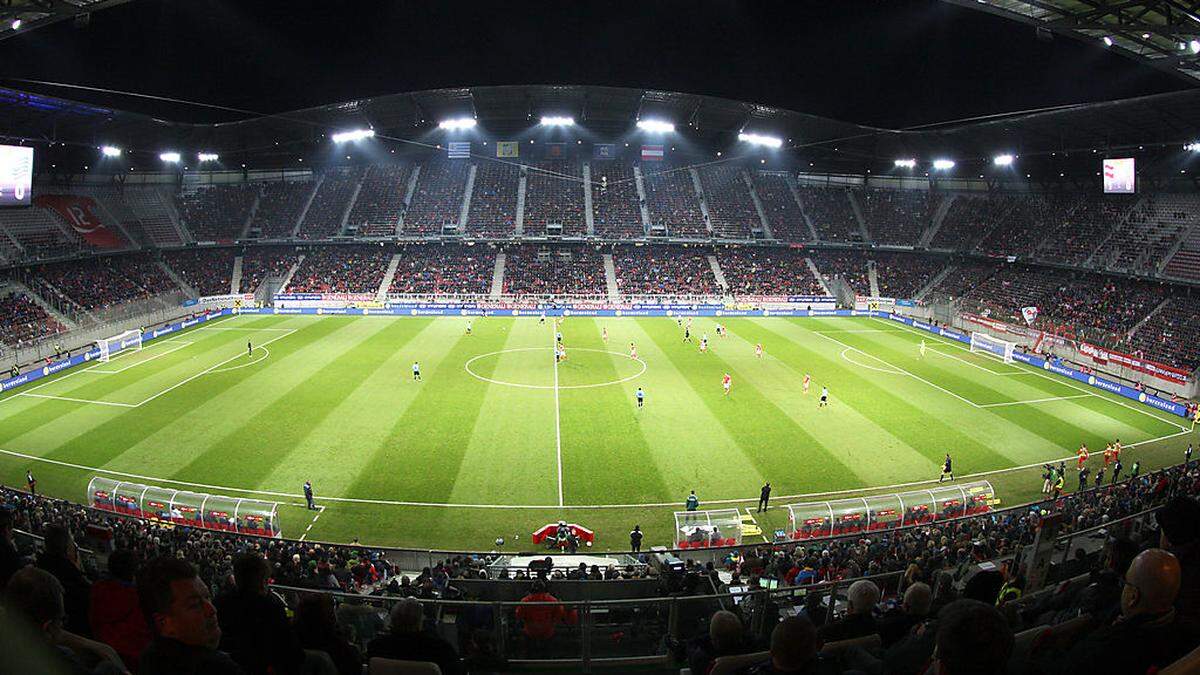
<point x="540" y="613"/>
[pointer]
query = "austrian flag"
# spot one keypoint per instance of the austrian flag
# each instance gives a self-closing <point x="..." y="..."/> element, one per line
<point x="652" y="153"/>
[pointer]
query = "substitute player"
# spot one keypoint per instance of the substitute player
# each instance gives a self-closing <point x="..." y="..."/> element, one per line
<point x="726" y="383"/>
<point x="807" y="381"/>
<point x="824" y="398"/>
<point x="416" y="371"/>
<point x="758" y="350"/>
<point x="641" y="398"/>
<point x="947" y="468"/>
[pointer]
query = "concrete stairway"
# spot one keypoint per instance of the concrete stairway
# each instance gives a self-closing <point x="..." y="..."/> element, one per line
<point x="235" y="282"/>
<point x="386" y="283"/>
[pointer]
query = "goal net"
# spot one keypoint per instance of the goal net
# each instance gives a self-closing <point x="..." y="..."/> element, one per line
<point x="986" y="344"/>
<point x="130" y="339"/>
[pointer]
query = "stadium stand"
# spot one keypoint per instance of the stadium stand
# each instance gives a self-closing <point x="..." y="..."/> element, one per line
<point x="1172" y="335"/>
<point x="1185" y="263"/>
<point x="324" y="216"/>
<point x="897" y="217"/>
<point x="532" y="270"/>
<point x="444" y="269"/>
<point x="671" y="197"/>
<point x="216" y="212"/>
<point x="1030" y="221"/>
<point x="23" y="321"/>
<point x="1153" y="227"/>
<point x="659" y="270"/>
<point x="101" y="283"/>
<point x="279" y="208"/>
<point x="554" y="195"/>
<point x="494" y="200"/>
<point x="850" y="266"/>
<point x="969" y="219"/>
<point x="730" y="206"/>
<point x="616" y="207"/>
<point x="780" y="206"/>
<point x="35" y="234"/>
<point x="901" y="275"/>
<point x="438" y="198"/>
<point x="261" y="262"/>
<point x="1086" y="228"/>
<point x="763" y="271"/>
<point x="209" y="271"/>
<point x="831" y="213"/>
<point x="341" y="269"/>
<point x="380" y="202"/>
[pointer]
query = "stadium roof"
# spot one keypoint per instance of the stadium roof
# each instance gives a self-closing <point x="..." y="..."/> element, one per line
<point x="1159" y="33"/>
<point x="605" y="113"/>
<point x="38" y="13"/>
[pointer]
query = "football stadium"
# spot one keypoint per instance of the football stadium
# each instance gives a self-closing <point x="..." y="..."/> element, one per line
<point x="728" y="368"/>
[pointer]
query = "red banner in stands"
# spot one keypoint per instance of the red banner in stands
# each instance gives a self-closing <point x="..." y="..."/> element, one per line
<point x="1159" y="370"/>
<point x="80" y="213"/>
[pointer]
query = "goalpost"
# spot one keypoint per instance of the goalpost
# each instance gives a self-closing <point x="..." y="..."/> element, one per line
<point x="130" y="339"/>
<point x="986" y="344"/>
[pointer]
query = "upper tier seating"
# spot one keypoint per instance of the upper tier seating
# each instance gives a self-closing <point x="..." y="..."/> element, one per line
<point x="380" y="202"/>
<point x="279" y="208"/>
<point x="324" y="216"/>
<point x="730" y="205"/>
<point x="780" y="206"/>
<point x="554" y="194"/>
<point x="898" y="217"/>
<point x="831" y="213"/>
<point x="439" y="196"/>
<point x="671" y="197"/>
<point x="1151" y="230"/>
<point x="494" y="200"/>
<point x="217" y="212"/>
<point x="616" y="209"/>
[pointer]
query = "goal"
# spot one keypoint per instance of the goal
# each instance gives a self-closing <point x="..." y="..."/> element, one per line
<point x="130" y="339"/>
<point x="981" y="342"/>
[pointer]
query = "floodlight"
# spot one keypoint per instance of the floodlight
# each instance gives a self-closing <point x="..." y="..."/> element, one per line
<point x="1194" y="45"/>
<point x="170" y="157"/>
<point x="209" y="157"/>
<point x="943" y="164"/>
<point x="457" y="123"/>
<point x="1002" y="160"/>
<point x="557" y="121"/>
<point x="1192" y="147"/>
<point x="355" y="135"/>
<point x="905" y="163"/>
<point x="16" y="24"/>
<point x="110" y="151"/>
<point x="1108" y="41"/>
<point x="759" y="139"/>
<point x="656" y="126"/>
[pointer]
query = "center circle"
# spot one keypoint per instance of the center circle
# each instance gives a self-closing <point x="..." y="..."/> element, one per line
<point x="567" y="369"/>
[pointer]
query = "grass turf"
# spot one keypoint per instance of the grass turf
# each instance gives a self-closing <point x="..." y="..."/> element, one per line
<point x="496" y="435"/>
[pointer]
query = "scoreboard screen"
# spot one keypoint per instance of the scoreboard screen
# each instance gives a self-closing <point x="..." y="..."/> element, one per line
<point x="1118" y="176"/>
<point x="16" y="175"/>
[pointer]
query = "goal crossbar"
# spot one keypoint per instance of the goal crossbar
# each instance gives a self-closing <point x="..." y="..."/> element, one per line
<point x="129" y="340"/>
<point x="982" y="343"/>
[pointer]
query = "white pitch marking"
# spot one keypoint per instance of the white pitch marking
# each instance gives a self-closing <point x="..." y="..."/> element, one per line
<point x="863" y="365"/>
<point x="174" y="348"/>
<point x="1033" y="400"/>
<point x="79" y="400"/>
<point x="548" y="507"/>
<point x="467" y="367"/>
<point x="266" y="352"/>
<point x="208" y="370"/>
<point x="557" y="419"/>
<point x="1014" y="371"/>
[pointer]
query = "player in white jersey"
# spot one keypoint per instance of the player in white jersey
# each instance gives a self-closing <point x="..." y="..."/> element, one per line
<point x="758" y="350"/>
<point x="824" y="397"/>
<point x="604" y="334"/>
<point x="416" y="371"/>
<point x="468" y="327"/>
<point x="922" y="348"/>
<point x="720" y="330"/>
<point x="704" y="343"/>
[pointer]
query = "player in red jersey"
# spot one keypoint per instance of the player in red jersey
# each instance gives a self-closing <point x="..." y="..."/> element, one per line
<point x="1082" y="455"/>
<point x="807" y="380"/>
<point x="758" y="350"/>
<point x="726" y="382"/>
<point x="632" y="350"/>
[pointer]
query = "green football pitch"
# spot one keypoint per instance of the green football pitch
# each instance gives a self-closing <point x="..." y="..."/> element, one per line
<point x="498" y="439"/>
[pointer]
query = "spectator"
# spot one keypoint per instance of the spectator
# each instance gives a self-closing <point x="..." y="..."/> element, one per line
<point x="115" y="617"/>
<point x="794" y="649"/>
<point x="973" y="639"/>
<point x="61" y="558"/>
<point x="1179" y="533"/>
<point x="318" y="629"/>
<point x="540" y="613"/>
<point x="725" y="637"/>
<point x="918" y="598"/>
<point x="406" y="641"/>
<point x="254" y="625"/>
<point x="10" y="559"/>
<point x="179" y="609"/>
<point x="859" y="621"/>
<point x="1147" y="634"/>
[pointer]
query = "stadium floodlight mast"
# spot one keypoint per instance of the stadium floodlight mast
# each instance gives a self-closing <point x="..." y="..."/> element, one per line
<point x="354" y="135"/>
<point x="1002" y="160"/>
<point x="208" y="157"/>
<point x="457" y="124"/>
<point x="170" y="157"/>
<point x="905" y="163"/>
<point x="557" y="121"/>
<point x="943" y="164"/>
<point x="656" y="126"/>
<point x="760" y="139"/>
<point x="110" y="151"/>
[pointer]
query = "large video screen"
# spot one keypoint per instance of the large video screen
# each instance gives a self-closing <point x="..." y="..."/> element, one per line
<point x="16" y="175"/>
<point x="1119" y="176"/>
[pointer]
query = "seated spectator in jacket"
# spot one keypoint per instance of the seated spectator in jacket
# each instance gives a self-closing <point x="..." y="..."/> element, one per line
<point x="1147" y="634"/>
<point x="115" y="616"/>
<point x="972" y="639"/>
<point x="406" y="641"/>
<point x="538" y="616"/>
<point x="912" y="610"/>
<point x="725" y="637"/>
<point x="1179" y="533"/>
<point x="859" y="620"/>
<point x="254" y="625"/>
<point x="179" y="609"/>
<point x="795" y="648"/>
<point x="318" y="629"/>
<point x="61" y="558"/>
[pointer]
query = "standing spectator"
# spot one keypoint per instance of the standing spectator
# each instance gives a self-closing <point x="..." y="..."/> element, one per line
<point x="181" y="614"/>
<point x="317" y="628"/>
<point x="859" y="620"/>
<point x="635" y="539"/>
<point x="407" y="642"/>
<point x="10" y="559"/>
<point x="254" y="625"/>
<point x="1117" y="466"/>
<point x="61" y="558"/>
<point x="763" y="495"/>
<point x="115" y="617"/>
<point x="540" y="613"/>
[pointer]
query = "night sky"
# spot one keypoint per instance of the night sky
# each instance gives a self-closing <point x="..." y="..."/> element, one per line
<point x="890" y="63"/>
